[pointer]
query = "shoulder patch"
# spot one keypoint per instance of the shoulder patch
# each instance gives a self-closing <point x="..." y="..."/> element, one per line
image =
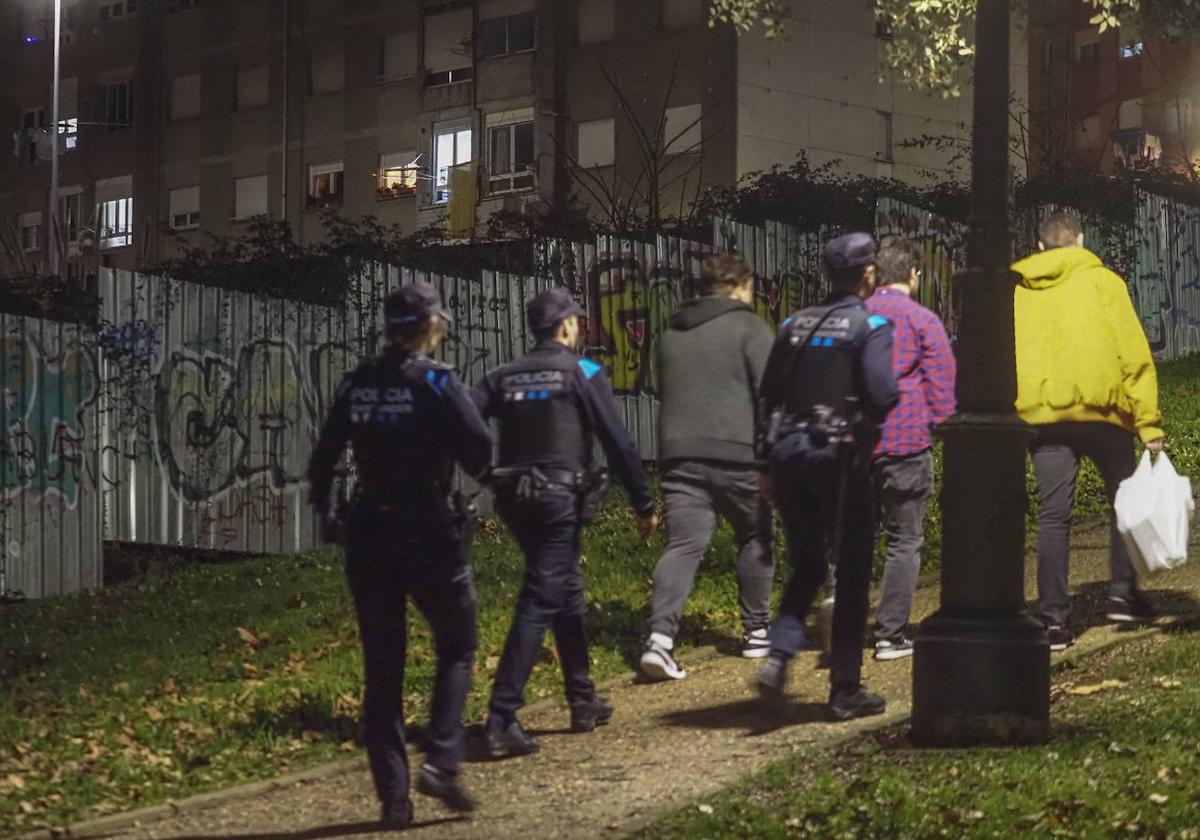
<point x="590" y="368"/>
<point x="787" y="322"/>
<point x="877" y="321"/>
<point x="437" y="377"/>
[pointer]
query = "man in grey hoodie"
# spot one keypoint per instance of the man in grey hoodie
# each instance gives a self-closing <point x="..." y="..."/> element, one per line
<point x="711" y="361"/>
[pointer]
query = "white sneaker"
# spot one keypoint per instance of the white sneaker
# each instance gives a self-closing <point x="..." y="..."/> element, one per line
<point x="889" y="649"/>
<point x="755" y="643"/>
<point x="657" y="663"/>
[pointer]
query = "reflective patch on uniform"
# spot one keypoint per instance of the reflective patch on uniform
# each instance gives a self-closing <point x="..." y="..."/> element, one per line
<point x="816" y="342"/>
<point x="877" y="321"/>
<point x="437" y="378"/>
<point x="828" y="342"/>
<point x="590" y="368"/>
<point x="786" y="322"/>
<point x="544" y="395"/>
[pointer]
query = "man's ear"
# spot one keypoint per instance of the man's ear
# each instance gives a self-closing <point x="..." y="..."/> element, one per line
<point x="1079" y="241"/>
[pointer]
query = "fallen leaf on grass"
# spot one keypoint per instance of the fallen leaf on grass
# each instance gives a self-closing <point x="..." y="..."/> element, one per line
<point x="310" y="735"/>
<point x="16" y="781"/>
<point x="1159" y="798"/>
<point x="1166" y="682"/>
<point x="247" y="636"/>
<point x="704" y="809"/>
<point x="153" y="714"/>
<point x="1083" y="690"/>
<point x="26" y="807"/>
<point x="348" y="746"/>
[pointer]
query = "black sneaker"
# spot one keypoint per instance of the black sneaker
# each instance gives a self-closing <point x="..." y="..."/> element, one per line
<point x="396" y="817"/>
<point x="1135" y="609"/>
<point x="657" y="663"/>
<point x="772" y="680"/>
<point x="445" y="786"/>
<point x="755" y="643"/>
<point x="856" y="704"/>
<point x="505" y="741"/>
<point x="1060" y="637"/>
<point x="588" y="714"/>
<point x="888" y="649"/>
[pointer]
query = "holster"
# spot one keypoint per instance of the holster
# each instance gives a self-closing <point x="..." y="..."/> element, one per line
<point x="595" y="485"/>
<point x="464" y="519"/>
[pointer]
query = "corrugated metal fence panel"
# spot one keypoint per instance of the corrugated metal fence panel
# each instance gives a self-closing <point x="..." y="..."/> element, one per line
<point x="786" y="264"/>
<point x="49" y="458"/>
<point x="943" y="245"/>
<point x="1165" y="286"/>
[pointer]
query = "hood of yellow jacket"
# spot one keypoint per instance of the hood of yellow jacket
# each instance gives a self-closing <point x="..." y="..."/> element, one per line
<point x="1047" y="269"/>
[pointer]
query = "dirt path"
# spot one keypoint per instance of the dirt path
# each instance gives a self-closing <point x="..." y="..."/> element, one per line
<point x="668" y="744"/>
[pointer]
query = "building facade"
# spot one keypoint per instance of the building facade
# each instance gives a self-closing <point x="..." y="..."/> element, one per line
<point x="181" y="119"/>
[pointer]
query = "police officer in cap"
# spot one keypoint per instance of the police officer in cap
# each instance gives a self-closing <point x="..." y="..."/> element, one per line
<point x="550" y="404"/>
<point x="827" y="387"/>
<point x="408" y="420"/>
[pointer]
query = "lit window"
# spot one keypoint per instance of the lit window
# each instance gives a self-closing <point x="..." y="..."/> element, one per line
<point x="68" y="114"/>
<point x="398" y="173"/>
<point x="1132" y="49"/>
<point x="506" y="35"/>
<point x="451" y="147"/>
<point x="30" y="225"/>
<point x="325" y="185"/>
<point x="250" y="197"/>
<point x="116" y="9"/>
<point x="114" y="212"/>
<point x="511" y="156"/>
<point x="118" y="105"/>
<point x="185" y="208"/>
<point x="70" y="214"/>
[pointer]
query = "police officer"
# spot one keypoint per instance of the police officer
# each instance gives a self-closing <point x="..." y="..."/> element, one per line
<point x="827" y="387"/>
<point x="550" y="404"/>
<point x="408" y="419"/>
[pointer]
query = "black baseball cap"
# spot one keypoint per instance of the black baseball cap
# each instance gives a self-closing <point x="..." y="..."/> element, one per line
<point x="411" y="303"/>
<point x="550" y="307"/>
<point x="850" y="250"/>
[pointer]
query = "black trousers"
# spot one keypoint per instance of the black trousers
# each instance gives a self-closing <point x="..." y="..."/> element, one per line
<point x="390" y="558"/>
<point x="547" y="529"/>
<point x="813" y="487"/>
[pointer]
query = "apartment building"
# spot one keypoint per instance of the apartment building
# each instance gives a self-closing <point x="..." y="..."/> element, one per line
<point x="1099" y="101"/>
<point x="185" y="118"/>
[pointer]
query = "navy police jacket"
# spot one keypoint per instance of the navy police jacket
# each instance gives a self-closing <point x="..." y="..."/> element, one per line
<point x="408" y="419"/>
<point x="836" y="354"/>
<point x="551" y="404"/>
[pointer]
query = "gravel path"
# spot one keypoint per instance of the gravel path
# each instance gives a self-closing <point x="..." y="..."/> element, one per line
<point x="669" y="744"/>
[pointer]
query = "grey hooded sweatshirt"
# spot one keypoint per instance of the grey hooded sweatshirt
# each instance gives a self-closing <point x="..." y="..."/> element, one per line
<point x="711" y="362"/>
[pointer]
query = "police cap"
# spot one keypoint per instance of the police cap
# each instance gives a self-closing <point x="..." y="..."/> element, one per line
<point x="412" y="303"/>
<point x="550" y="307"/>
<point x="850" y="250"/>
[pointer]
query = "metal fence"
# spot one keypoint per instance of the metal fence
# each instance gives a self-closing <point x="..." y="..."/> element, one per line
<point x="50" y="511"/>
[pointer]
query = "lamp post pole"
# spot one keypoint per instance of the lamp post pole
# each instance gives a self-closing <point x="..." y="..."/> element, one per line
<point x="981" y="669"/>
<point x="52" y="238"/>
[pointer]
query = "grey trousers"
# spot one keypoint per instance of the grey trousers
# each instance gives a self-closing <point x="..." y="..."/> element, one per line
<point x="695" y="493"/>
<point x="904" y="486"/>
<point x="1056" y="452"/>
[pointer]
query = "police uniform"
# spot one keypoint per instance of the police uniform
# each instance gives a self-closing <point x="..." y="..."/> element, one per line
<point x="550" y="405"/>
<point x="408" y="420"/>
<point x="827" y="387"/>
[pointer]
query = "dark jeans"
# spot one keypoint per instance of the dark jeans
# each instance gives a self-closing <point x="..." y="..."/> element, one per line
<point x="808" y="483"/>
<point x="1056" y="452"/>
<point x="695" y="492"/>
<point x="547" y="529"/>
<point x="903" y="486"/>
<point x="390" y="558"/>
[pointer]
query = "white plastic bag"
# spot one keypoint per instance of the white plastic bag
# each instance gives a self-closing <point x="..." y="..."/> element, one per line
<point x="1154" y="508"/>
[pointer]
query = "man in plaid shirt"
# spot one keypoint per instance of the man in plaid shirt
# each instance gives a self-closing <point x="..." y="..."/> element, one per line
<point x="923" y="363"/>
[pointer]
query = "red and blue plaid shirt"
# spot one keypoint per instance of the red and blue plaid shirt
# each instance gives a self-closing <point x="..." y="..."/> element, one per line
<point x="924" y="367"/>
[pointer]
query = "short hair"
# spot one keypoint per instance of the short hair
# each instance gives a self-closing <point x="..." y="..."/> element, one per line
<point x="1059" y="230"/>
<point x="723" y="272"/>
<point x="846" y="279"/>
<point x="897" y="258"/>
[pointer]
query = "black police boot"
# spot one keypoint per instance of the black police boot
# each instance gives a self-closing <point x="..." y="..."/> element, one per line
<point x="848" y="705"/>
<point x="397" y="816"/>
<point x="504" y="741"/>
<point x="586" y="715"/>
<point x="445" y="786"/>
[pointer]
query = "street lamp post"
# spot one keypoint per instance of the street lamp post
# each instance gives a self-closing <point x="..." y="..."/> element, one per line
<point x="981" y="670"/>
<point x="52" y="237"/>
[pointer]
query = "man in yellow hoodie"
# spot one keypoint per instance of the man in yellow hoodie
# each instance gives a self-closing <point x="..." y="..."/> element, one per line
<point x="1086" y="382"/>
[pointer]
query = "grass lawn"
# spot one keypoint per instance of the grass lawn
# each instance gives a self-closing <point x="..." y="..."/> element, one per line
<point x="1123" y="763"/>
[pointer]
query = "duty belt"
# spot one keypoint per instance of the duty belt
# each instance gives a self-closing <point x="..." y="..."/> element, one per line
<point x="538" y="476"/>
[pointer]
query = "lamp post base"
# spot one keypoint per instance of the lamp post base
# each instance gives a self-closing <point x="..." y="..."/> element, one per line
<point x="981" y="681"/>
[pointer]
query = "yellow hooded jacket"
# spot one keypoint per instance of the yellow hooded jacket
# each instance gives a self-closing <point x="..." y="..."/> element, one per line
<point x="1082" y="354"/>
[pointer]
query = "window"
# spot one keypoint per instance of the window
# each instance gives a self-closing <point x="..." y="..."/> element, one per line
<point x="447" y="51"/>
<point x="1087" y="46"/>
<point x="115" y="9"/>
<point x="114" y="212"/>
<point x="70" y="214"/>
<point x="68" y="114"/>
<point x="1048" y="50"/>
<point x="681" y="134"/>
<point x="325" y="185"/>
<point x="883" y="135"/>
<point x="677" y="14"/>
<point x="185" y="208"/>
<point x="185" y="97"/>
<point x="505" y="27"/>
<point x="451" y="147"/>
<point x="30" y="225"/>
<point x="398" y="56"/>
<point x="398" y="173"/>
<point x="511" y="160"/>
<point x="328" y="70"/>
<point x="250" y="197"/>
<point x="597" y="143"/>
<point x="1132" y="44"/>
<point x="118" y="105"/>
<point x="597" y="21"/>
<point x="253" y="87"/>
